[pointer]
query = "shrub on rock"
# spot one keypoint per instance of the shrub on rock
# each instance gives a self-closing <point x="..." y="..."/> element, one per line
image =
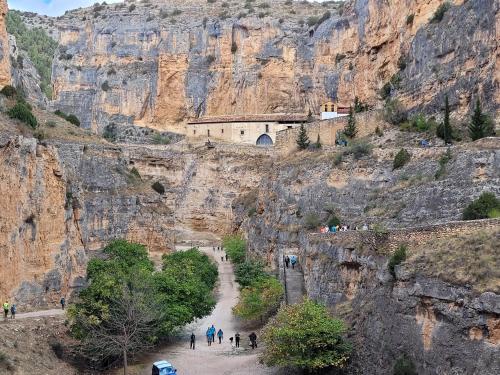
<point x="22" y="112"/>
<point x="401" y="159"/>
<point x="486" y="206"/>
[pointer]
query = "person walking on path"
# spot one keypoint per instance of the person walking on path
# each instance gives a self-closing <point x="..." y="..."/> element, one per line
<point x="209" y="336"/>
<point x="253" y="340"/>
<point x="293" y="260"/>
<point x="63" y="302"/>
<point x="237" y="339"/>
<point x="212" y="333"/>
<point x="13" y="310"/>
<point x="6" y="309"/>
<point x="220" y="335"/>
<point x="287" y="261"/>
<point x="226" y="257"/>
<point x="231" y="341"/>
<point x="192" y="341"/>
<point x="222" y="259"/>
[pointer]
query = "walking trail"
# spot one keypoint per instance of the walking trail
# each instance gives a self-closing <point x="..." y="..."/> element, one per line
<point x="218" y="359"/>
<point x="41" y="313"/>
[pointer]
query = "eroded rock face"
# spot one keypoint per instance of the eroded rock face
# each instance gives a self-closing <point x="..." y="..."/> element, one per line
<point x="5" y="78"/>
<point x="160" y="63"/>
<point x="443" y="328"/>
<point x="62" y="202"/>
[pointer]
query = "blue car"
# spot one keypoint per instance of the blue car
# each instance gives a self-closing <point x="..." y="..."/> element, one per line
<point x="163" y="368"/>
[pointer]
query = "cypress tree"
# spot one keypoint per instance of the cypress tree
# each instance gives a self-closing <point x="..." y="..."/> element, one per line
<point x="480" y="125"/>
<point x="350" y="129"/>
<point x="444" y="130"/>
<point x="303" y="139"/>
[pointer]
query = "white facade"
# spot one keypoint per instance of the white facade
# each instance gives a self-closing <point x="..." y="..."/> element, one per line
<point x="330" y="115"/>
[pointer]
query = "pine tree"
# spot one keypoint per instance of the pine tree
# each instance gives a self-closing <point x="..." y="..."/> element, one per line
<point x="481" y="125"/>
<point x="303" y="139"/>
<point x="444" y="130"/>
<point x="350" y="129"/>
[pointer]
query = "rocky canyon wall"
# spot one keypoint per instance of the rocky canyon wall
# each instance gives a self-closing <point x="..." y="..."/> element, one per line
<point x="441" y="309"/>
<point x="442" y="325"/>
<point x="159" y="63"/>
<point x="62" y="202"/>
<point x="5" y="77"/>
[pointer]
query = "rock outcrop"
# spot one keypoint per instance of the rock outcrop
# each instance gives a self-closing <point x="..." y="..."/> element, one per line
<point x="443" y="328"/>
<point x="5" y="78"/>
<point x="157" y="64"/>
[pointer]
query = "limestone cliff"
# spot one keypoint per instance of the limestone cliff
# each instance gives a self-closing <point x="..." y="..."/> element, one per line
<point x="157" y="63"/>
<point x="5" y="78"/>
<point x="442" y="308"/>
<point x="62" y="201"/>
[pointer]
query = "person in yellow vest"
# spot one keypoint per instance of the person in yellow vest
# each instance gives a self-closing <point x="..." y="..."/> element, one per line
<point x="6" y="309"/>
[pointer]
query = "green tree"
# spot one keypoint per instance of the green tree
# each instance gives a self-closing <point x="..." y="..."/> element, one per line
<point x="487" y="205"/>
<point x="249" y="272"/>
<point x="303" y="138"/>
<point x="305" y="336"/>
<point x="481" y="125"/>
<point x="444" y="130"/>
<point x="350" y="130"/>
<point x="401" y="158"/>
<point x="260" y="299"/>
<point x="235" y="247"/>
<point x="128" y="306"/>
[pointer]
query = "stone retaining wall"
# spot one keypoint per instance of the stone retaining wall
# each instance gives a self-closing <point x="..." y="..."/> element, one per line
<point x="327" y="130"/>
<point x="390" y="240"/>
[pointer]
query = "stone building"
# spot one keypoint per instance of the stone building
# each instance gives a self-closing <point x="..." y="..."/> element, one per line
<point x="331" y="110"/>
<point x="247" y="129"/>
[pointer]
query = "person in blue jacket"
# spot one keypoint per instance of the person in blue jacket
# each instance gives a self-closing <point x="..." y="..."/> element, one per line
<point x="220" y="334"/>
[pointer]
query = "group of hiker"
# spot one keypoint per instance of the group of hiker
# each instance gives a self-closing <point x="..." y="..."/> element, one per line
<point x="7" y="307"/>
<point x="290" y="259"/>
<point x="219" y="248"/>
<point x="341" y="228"/>
<point x="212" y="333"/>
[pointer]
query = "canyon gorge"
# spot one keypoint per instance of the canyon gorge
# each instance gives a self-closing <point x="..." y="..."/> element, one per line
<point x="143" y="69"/>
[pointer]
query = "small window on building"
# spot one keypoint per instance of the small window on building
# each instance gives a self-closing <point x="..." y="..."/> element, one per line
<point x="242" y="132"/>
<point x="194" y="131"/>
<point x="289" y="126"/>
<point x="267" y="128"/>
<point x="208" y="132"/>
<point x="222" y="131"/>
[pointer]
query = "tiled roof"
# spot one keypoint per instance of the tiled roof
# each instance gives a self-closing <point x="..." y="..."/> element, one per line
<point x="271" y="117"/>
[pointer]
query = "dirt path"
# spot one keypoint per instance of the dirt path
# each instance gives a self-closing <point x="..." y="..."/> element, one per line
<point x="40" y="313"/>
<point x="218" y="359"/>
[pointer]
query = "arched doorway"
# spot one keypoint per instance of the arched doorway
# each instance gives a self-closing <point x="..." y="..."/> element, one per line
<point x="264" y="140"/>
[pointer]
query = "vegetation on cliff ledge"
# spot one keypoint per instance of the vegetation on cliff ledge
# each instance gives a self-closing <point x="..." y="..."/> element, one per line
<point x="37" y="44"/>
<point x="486" y="206"/>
